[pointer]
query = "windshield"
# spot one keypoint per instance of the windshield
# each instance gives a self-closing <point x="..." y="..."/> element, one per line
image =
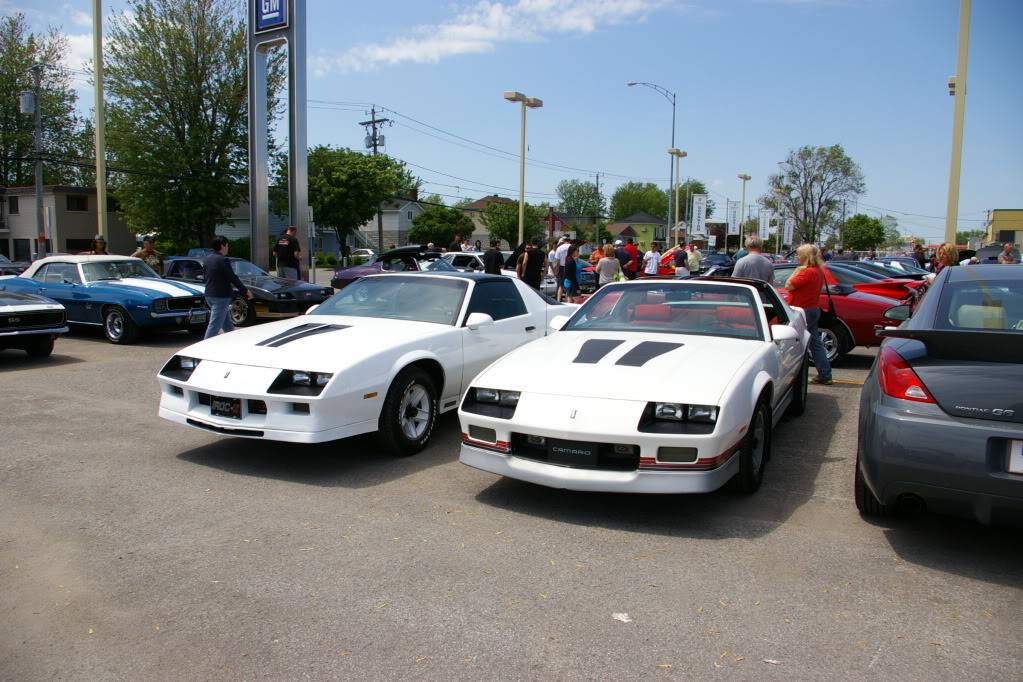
<point x="850" y="275"/>
<point x="993" y="305"/>
<point x="437" y="265"/>
<point x="674" y="308"/>
<point x="398" y="297"/>
<point x="901" y="265"/>
<point x="116" y="269"/>
<point x="244" y="268"/>
<point x="4" y="259"/>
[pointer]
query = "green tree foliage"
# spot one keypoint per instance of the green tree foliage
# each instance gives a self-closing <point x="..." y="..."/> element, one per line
<point x="964" y="236"/>
<point x="633" y="197"/>
<point x="439" y="224"/>
<point x="502" y="221"/>
<point x="686" y="190"/>
<point x="65" y="135"/>
<point x="862" y="233"/>
<point x="580" y="198"/>
<point x="811" y="186"/>
<point x="177" y="105"/>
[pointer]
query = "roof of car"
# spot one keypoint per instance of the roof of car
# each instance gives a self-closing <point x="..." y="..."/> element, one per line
<point x="81" y="259"/>
<point x="457" y="274"/>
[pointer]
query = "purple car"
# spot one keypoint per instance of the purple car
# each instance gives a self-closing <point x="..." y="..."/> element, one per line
<point x="403" y="259"/>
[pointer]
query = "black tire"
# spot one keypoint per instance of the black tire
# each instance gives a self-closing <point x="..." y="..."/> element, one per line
<point x="866" y="502"/>
<point x="242" y="312"/>
<point x="41" y="347"/>
<point x="836" y="342"/>
<point x="118" y="326"/>
<point x="751" y="471"/>
<point x="798" y="405"/>
<point x="400" y="433"/>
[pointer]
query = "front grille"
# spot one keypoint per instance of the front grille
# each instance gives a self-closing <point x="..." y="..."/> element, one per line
<point x="607" y="458"/>
<point x="40" y="319"/>
<point x="185" y="302"/>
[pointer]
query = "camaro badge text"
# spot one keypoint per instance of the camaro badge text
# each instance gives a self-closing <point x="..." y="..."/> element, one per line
<point x="227" y="374"/>
<point x="572" y="415"/>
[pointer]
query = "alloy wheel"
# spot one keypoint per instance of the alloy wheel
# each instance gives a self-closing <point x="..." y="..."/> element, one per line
<point x="414" y="412"/>
<point x="114" y="324"/>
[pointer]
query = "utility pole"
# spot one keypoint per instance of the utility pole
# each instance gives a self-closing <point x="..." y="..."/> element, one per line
<point x="373" y="141"/>
<point x="37" y="77"/>
<point x="957" y="88"/>
<point x="596" y="218"/>
<point x="101" y="124"/>
<point x="841" y="228"/>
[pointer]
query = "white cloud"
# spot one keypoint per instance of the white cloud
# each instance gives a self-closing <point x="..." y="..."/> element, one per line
<point x="481" y="27"/>
<point x="81" y="18"/>
<point x="79" y="50"/>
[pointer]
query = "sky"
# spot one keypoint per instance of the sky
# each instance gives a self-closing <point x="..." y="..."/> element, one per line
<point x="754" y="79"/>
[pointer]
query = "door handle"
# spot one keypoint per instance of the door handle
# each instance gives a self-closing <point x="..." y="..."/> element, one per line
<point x="530" y="329"/>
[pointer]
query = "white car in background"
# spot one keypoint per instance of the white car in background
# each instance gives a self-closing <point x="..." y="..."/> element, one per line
<point x="652" y="386"/>
<point x="387" y="353"/>
<point x="472" y="261"/>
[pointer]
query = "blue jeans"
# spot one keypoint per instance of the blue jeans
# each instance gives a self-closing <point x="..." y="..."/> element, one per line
<point x="220" y="316"/>
<point x="817" y="352"/>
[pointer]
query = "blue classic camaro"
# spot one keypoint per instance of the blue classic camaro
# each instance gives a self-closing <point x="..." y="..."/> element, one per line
<point x="120" y="294"/>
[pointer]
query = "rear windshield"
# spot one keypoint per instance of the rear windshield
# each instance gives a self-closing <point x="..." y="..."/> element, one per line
<point x="995" y="305"/>
<point x="398" y="297"/>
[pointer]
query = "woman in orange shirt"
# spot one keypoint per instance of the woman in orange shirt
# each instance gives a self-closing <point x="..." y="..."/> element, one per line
<point x="804" y="287"/>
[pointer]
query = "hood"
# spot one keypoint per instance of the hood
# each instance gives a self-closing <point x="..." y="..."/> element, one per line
<point x="276" y="284"/>
<point x="316" y="343"/>
<point x="148" y="287"/>
<point x="13" y="300"/>
<point x="625" y="366"/>
<point x="358" y="271"/>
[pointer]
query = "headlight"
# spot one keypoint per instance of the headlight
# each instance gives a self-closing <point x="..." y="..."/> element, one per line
<point x="160" y="305"/>
<point x="707" y="414"/>
<point x="673" y="411"/>
<point x="298" y="382"/>
<point x="180" y="367"/>
<point x="282" y="295"/>
<point x="678" y="418"/>
<point x="494" y="397"/>
<point x="491" y="402"/>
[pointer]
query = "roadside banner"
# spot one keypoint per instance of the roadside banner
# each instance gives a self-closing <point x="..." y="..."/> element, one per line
<point x="699" y="214"/>
<point x="765" y="224"/>
<point x="790" y="227"/>
<point x="732" y="216"/>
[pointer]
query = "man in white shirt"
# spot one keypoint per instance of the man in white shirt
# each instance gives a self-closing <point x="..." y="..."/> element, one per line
<point x="558" y="257"/>
<point x="651" y="260"/>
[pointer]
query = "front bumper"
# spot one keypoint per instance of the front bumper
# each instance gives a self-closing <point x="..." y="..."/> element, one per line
<point x="956" y="465"/>
<point x="593" y="480"/>
<point x="19" y="333"/>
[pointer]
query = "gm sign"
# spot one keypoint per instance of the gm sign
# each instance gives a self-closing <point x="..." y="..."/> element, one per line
<point x="270" y="15"/>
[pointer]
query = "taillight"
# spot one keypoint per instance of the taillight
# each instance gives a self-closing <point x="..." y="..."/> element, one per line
<point x="898" y="379"/>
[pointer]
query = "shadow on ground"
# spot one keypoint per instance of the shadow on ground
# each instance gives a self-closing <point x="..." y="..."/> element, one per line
<point x="17" y="360"/>
<point x="357" y="462"/>
<point x="798" y="451"/>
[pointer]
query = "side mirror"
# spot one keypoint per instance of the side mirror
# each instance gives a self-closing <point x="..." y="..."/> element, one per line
<point x="557" y="322"/>
<point x="477" y="320"/>
<point x="783" y="332"/>
<point x="311" y="308"/>
<point x="899" y="313"/>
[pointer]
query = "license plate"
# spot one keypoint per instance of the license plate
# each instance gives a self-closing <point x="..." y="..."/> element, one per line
<point x="196" y="318"/>
<point x="226" y="407"/>
<point x="571" y="452"/>
<point x="1016" y="456"/>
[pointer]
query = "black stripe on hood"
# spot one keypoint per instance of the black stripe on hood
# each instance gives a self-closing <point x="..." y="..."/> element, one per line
<point x="645" y="352"/>
<point x="301" y="332"/>
<point x="289" y="332"/>
<point x="594" y="350"/>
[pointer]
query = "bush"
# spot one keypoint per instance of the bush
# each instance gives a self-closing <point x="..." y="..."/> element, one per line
<point x="331" y="260"/>
<point x="356" y="260"/>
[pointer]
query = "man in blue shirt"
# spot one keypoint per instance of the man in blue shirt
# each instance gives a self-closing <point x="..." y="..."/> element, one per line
<point x="220" y="285"/>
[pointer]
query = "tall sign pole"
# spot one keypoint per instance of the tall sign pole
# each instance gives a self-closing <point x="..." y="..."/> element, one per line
<point x="101" y="120"/>
<point x="957" y="88"/>
<point x="273" y="23"/>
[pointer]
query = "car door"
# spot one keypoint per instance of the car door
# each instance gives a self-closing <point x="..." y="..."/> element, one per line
<point x="788" y="352"/>
<point x="62" y="283"/>
<point x="513" y="325"/>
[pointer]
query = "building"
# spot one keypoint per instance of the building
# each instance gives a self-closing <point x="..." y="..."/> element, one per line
<point x="575" y="226"/>
<point x="642" y="227"/>
<point x="69" y="222"/>
<point x="1005" y="225"/>
<point x="475" y="210"/>
<point x="396" y="216"/>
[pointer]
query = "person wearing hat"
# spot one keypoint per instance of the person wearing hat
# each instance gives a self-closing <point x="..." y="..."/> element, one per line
<point x="150" y="255"/>
<point x="99" y="247"/>
<point x="621" y="254"/>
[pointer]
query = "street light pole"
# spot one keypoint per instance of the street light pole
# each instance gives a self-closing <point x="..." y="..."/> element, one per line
<point x="678" y="155"/>
<point x="670" y="96"/>
<point x="957" y="88"/>
<point x="101" y="143"/>
<point x="532" y="103"/>
<point x="37" y="78"/>
<point x="745" y="177"/>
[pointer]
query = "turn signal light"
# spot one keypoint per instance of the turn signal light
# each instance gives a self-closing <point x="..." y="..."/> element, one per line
<point x="898" y="379"/>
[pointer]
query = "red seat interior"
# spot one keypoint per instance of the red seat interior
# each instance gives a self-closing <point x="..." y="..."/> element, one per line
<point x="735" y="316"/>
<point x="651" y="312"/>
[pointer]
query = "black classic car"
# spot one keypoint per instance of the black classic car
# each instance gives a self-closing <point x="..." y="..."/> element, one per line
<point x="272" y="297"/>
<point x="7" y="267"/>
<point x="29" y="322"/>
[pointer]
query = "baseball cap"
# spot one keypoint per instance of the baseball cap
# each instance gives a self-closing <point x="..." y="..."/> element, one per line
<point x="618" y="242"/>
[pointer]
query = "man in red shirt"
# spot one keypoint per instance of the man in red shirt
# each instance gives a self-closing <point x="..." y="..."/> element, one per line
<point x="804" y="287"/>
<point x="631" y="267"/>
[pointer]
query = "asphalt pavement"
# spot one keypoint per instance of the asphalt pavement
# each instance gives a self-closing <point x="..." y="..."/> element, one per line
<point x="132" y="548"/>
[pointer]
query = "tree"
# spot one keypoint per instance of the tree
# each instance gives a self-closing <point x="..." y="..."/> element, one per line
<point x="862" y="233"/>
<point x="686" y="190"/>
<point x="502" y="221"/>
<point x="811" y="186"/>
<point x="62" y="129"/>
<point x="439" y="224"/>
<point x="964" y="236"/>
<point x="633" y="197"/>
<point x="580" y="198"/>
<point x="177" y="105"/>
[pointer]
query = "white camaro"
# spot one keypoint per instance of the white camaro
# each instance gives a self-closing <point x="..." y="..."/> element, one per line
<point x="652" y="386"/>
<point x="388" y="353"/>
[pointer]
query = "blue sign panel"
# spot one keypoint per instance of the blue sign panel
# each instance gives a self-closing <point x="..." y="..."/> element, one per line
<point x="270" y="14"/>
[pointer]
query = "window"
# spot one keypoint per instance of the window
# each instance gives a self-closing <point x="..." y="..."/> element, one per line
<point x="77" y="202"/>
<point x="76" y="245"/>
<point x="12" y="206"/>
<point x="61" y="273"/>
<point x="500" y="300"/>
<point x="989" y="304"/>
<point x="22" y="249"/>
<point x="40" y="275"/>
<point x="410" y="215"/>
<point x="464" y="261"/>
<point x="399" y="297"/>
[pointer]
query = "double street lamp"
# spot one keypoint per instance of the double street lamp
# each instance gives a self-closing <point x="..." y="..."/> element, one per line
<point x="670" y="96"/>
<point x="530" y="103"/>
<point x="678" y="155"/>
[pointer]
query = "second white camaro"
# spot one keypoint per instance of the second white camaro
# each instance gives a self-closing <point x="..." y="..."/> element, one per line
<point x="652" y="386"/>
<point x="388" y="353"/>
